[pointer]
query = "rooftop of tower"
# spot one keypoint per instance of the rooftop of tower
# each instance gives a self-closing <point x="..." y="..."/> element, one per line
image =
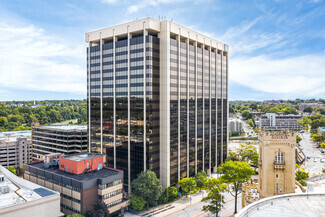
<point x="156" y="26"/>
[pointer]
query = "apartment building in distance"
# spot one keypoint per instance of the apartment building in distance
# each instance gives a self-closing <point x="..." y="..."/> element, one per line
<point x="273" y="121"/>
<point x="276" y="162"/>
<point x="302" y="106"/>
<point x="19" y="197"/>
<point x="65" y="139"/>
<point x="157" y="99"/>
<point x="81" y="179"/>
<point x="15" y="149"/>
<point x="235" y="125"/>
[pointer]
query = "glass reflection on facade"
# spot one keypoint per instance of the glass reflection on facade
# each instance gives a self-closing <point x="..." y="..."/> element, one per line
<point x="175" y="131"/>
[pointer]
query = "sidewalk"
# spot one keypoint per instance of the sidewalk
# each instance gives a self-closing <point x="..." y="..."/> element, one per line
<point x="171" y="208"/>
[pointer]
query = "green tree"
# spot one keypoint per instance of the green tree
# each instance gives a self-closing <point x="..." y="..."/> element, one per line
<point x="298" y="138"/>
<point x="214" y="197"/>
<point x="246" y="114"/>
<point x="137" y="203"/>
<point x="98" y="209"/>
<point x="246" y="153"/>
<point x="316" y="137"/>
<point x="169" y="195"/>
<point x="322" y="145"/>
<point x="301" y="175"/>
<point x="3" y="121"/>
<point x="308" y="109"/>
<point x="76" y="215"/>
<point x="201" y="180"/>
<point x="147" y="186"/>
<point x="274" y="110"/>
<point x="235" y="173"/>
<point x="12" y="169"/>
<point x="188" y="185"/>
<point x="250" y="122"/>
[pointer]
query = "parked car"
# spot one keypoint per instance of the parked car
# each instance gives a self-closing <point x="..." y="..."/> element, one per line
<point x="315" y="160"/>
<point x="308" y="157"/>
<point x="322" y="160"/>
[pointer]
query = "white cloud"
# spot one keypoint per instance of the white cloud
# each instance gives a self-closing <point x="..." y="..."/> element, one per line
<point x="147" y="3"/>
<point x="110" y="1"/>
<point x="302" y="75"/>
<point x="31" y="59"/>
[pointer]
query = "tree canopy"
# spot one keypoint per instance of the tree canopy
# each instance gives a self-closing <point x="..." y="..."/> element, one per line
<point x="98" y="209"/>
<point x="147" y="186"/>
<point x="245" y="152"/>
<point x="17" y="117"/>
<point x="214" y="197"/>
<point x="235" y="173"/>
<point x="187" y="185"/>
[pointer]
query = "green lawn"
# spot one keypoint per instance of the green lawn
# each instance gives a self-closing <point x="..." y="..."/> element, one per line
<point x="74" y="121"/>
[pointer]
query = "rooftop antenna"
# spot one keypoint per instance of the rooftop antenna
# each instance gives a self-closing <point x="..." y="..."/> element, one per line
<point x="159" y="17"/>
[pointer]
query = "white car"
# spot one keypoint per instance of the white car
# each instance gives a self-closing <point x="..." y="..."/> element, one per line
<point x="322" y="160"/>
<point x="315" y="160"/>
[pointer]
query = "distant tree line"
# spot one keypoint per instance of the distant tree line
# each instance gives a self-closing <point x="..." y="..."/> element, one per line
<point x="16" y="116"/>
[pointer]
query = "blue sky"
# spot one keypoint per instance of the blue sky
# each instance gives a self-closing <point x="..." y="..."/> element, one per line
<point x="277" y="47"/>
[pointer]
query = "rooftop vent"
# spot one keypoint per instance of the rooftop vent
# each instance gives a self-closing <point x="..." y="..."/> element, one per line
<point x="4" y="189"/>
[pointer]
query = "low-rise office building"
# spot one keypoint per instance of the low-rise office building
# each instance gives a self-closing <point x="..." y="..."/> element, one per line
<point x="19" y="197"/>
<point x="277" y="122"/>
<point x="65" y="139"/>
<point x="81" y="179"/>
<point x="15" y="149"/>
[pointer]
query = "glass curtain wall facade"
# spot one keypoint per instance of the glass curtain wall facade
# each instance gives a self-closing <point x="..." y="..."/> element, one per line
<point x="157" y="99"/>
<point x="198" y="109"/>
<point x="136" y="100"/>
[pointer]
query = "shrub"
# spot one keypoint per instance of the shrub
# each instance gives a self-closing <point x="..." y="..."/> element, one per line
<point x="137" y="203"/>
<point x="12" y="169"/>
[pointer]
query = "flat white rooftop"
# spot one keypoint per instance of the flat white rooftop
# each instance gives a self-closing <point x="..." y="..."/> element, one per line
<point x="15" y="133"/>
<point x="289" y="205"/>
<point x="65" y="127"/>
<point x="82" y="156"/>
<point x="18" y="190"/>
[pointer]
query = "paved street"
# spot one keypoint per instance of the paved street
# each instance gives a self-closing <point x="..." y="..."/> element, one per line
<point x="187" y="207"/>
<point x="196" y="210"/>
<point x="312" y="165"/>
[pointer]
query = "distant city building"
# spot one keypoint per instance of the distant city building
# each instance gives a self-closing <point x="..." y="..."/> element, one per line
<point x="19" y="197"/>
<point x="277" y="122"/>
<point x="157" y="99"/>
<point x="321" y="131"/>
<point x="15" y="149"/>
<point x="81" y="179"/>
<point x="273" y="102"/>
<point x="276" y="162"/>
<point x="235" y="125"/>
<point x="65" y="139"/>
<point x="302" y="106"/>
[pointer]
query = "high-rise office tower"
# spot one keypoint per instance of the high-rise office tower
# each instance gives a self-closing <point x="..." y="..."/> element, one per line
<point x="157" y="99"/>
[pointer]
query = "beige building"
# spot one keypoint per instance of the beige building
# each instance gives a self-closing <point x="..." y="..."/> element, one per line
<point x="15" y="150"/>
<point x="277" y="162"/>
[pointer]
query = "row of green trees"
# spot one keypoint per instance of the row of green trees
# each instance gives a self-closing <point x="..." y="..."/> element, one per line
<point x="21" y="118"/>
